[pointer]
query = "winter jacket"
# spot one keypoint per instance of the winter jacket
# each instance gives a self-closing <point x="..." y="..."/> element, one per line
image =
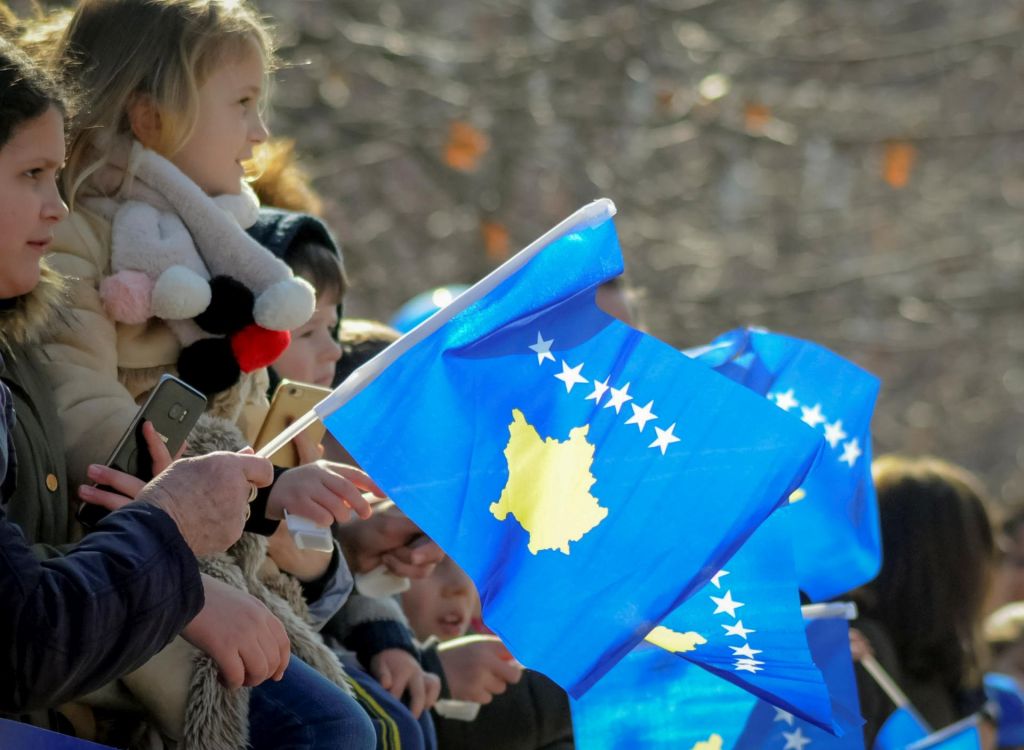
<point x="73" y="622"/>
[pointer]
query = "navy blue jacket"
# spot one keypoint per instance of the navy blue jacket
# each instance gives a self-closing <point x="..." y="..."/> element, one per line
<point x="71" y="624"/>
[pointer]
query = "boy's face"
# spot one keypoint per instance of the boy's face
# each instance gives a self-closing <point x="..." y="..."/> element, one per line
<point x="442" y="603"/>
<point x="30" y="205"/>
<point x="313" y="351"/>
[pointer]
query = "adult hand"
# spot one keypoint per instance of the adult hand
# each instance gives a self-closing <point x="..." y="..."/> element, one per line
<point x="478" y="667"/>
<point x="304" y="564"/>
<point x="208" y="496"/>
<point x="398" y="671"/>
<point x="390" y="538"/>
<point x="240" y="634"/>
<point x="323" y="492"/>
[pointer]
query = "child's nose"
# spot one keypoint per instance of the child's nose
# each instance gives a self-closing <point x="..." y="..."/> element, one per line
<point x="54" y="208"/>
<point x="258" y="131"/>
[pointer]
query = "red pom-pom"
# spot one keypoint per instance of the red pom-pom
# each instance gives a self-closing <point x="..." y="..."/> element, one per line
<point x="256" y="347"/>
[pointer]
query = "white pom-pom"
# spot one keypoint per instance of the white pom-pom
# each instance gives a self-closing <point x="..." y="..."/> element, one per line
<point x="286" y="305"/>
<point x="180" y="294"/>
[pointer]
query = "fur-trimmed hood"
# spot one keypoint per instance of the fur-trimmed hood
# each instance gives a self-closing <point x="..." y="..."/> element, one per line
<point x="24" y="320"/>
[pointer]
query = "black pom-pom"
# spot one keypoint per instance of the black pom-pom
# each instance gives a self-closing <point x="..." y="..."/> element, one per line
<point x="230" y="307"/>
<point x="209" y="365"/>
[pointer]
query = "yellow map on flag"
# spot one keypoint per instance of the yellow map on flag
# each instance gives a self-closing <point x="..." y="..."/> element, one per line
<point x="674" y="641"/>
<point x="548" y="489"/>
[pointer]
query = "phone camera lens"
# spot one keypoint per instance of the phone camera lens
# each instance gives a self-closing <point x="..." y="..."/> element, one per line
<point x="177" y="413"/>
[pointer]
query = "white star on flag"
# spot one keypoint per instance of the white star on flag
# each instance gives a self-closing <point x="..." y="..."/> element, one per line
<point x="785" y="716"/>
<point x="795" y="740"/>
<point x="619" y="397"/>
<point x="571" y="375"/>
<point x="543" y="349"/>
<point x="599" y="391"/>
<point x="834" y="433"/>
<point x="665" y="438"/>
<point x="726" y="604"/>
<point x="748" y="665"/>
<point x="851" y="452"/>
<point x="812" y="416"/>
<point x="716" y="579"/>
<point x="738" y="629"/>
<point x="745" y="651"/>
<point x="786" y="401"/>
<point x="641" y="415"/>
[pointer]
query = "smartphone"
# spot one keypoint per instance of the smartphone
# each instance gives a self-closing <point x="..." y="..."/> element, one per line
<point x="291" y="400"/>
<point x="173" y="406"/>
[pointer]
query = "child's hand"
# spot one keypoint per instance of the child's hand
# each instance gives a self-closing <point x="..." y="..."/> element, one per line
<point x="240" y="634"/>
<point x="305" y="565"/>
<point x="478" y="667"/>
<point x="323" y="492"/>
<point x="126" y="486"/>
<point x="397" y="671"/>
<point x="389" y="538"/>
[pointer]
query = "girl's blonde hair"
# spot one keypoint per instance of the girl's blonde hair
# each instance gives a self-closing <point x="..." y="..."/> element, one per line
<point x="114" y="51"/>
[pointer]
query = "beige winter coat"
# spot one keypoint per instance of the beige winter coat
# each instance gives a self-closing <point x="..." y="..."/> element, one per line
<point x="101" y="370"/>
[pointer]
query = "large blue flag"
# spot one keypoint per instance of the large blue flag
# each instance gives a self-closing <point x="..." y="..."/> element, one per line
<point x="835" y="531"/>
<point x="746" y="626"/>
<point x="588" y="477"/>
<point x="653" y="701"/>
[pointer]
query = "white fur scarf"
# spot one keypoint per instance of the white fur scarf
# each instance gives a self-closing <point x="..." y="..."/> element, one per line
<point x="168" y="238"/>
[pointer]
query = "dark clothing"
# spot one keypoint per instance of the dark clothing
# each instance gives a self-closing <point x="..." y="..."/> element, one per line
<point x="71" y="624"/>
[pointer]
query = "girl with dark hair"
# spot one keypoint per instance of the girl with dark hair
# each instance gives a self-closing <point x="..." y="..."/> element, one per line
<point x="923" y="614"/>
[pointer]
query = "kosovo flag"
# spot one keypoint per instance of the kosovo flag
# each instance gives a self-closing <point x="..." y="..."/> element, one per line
<point x="588" y="477"/>
<point x="651" y="700"/>
<point x="903" y="727"/>
<point x="746" y="627"/>
<point x="835" y="529"/>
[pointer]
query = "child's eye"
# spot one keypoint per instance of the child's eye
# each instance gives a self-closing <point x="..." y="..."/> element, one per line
<point x="246" y="101"/>
<point x="307" y="335"/>
<point x="33" y="173"/>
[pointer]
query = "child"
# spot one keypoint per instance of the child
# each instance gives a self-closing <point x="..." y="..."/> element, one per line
<point x="368" y="634"/>
<point x="154" y="172"/>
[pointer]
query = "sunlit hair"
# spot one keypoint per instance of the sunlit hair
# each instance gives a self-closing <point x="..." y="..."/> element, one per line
<point x="115" y="51"/>
<point x="938" y="555"/>
<point x="280" y="181"/>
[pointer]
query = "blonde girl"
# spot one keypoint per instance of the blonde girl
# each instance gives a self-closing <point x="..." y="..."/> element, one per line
<point x="164" y="279"/>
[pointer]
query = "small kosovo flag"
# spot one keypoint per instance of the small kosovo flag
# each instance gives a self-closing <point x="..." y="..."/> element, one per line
<point x="588" y="477"/>
<point x="834" y="526"/>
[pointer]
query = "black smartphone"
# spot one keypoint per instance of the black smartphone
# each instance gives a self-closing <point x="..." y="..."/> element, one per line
<point x="173" y="406"/>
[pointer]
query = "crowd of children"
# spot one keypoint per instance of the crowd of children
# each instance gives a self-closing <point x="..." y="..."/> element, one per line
<point x="163" y="256"/>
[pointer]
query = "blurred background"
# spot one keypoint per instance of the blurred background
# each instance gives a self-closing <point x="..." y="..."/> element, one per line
<point x="847" y="172"/>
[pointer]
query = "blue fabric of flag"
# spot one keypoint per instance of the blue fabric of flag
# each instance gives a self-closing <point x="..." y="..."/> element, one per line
<point x="963" y="735"/>
<point x="751" y="631"/>
<point x="587" y="476"/>
<point x="836" y="527"/>
<point x="655" y="701"/>
<point x="1006" y="691"/>
<point x="902" y="728"/>
<point x="17" y="736"/>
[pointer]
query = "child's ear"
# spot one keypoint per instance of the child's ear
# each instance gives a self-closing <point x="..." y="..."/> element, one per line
<point x="145" y="121"/>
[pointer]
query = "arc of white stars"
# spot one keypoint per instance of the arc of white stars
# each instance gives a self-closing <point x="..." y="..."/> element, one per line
<point x="543" y="349"/>
<point x="618" y="398"/>
<point x="834" y="433"/>
<point x="642" y="415"/>
<point x="665" y="438"/>
<point x="796" y="740"/>
<point x="726" y="604"/>
<point x="716" y="579"/>
<point x="599" y="391"/>
<point x="812" y="416"/>
<point x="786" y="400"/>
<point x="738" y="630"/>
<point x="851" y="452"/>
<point x="571" y="375"/>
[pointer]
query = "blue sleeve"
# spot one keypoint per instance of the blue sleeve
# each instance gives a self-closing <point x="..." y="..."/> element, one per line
<point x="73" y="623"/>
